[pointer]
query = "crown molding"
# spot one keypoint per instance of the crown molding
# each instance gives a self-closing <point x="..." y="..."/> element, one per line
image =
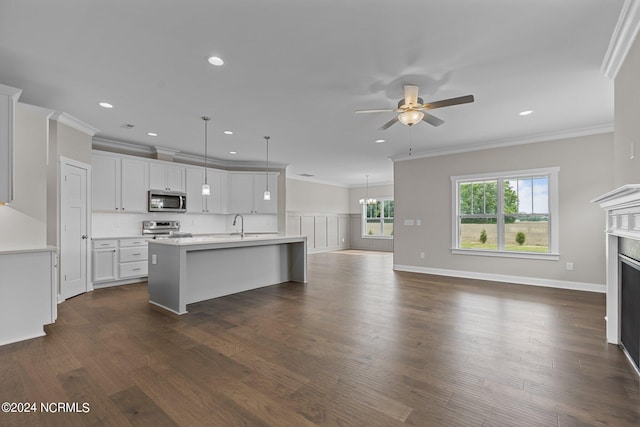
<point x="315" y="180"/>
<point x="624" y="34"/>
<point x="121" y="147"/>
<point x="74" y="123"/>
<point x="10" y="91"/>
<point x="552" y="136"/>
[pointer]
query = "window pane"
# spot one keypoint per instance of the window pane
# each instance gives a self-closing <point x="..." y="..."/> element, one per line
<point x="491" y="197"/>
<point x="388" y="227"/>
<point x="510" y="196"/>
<point x="478" y="233"/>
<point x="373" y="227"/>
<point x="465" y="198"/>
<point x="541" y="195"/>
<point x="525" y="195"/>
<point x="388" y="208"/>
<point x="373" y="210"/>
<point x="528" y="233"/>
<point x="477" y="201"/>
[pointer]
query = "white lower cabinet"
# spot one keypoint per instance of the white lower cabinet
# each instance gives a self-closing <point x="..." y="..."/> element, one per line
<point x="104" y="260"/>
<point x="119" y="259"/>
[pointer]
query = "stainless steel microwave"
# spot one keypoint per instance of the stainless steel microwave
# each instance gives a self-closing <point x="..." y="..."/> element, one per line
<point x="167" y="201"/>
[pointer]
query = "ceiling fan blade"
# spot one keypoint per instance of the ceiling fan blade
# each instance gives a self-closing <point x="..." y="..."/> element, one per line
<point x="387" y="110"/>
<point x="432" y="120"/>
<point x="410" y="94"/>
<point x="389" y="123"/>
<point x="448" y="102"/>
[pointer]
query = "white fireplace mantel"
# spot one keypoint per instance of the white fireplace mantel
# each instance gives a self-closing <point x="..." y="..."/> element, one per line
<point x="623" y="220"/>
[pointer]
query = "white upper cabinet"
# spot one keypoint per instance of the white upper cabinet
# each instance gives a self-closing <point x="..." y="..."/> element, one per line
<point x="246" y="193"/>
<point x="105" y="183"/>
<point x="195" y="199"/>
<point x="8" y="98"/>
<point x="119" y="184"/>
<point x="240" y="192"/>
<point x="167" y="177"/>
<point x="214" y="203"/>
<point x="134" y="185"/>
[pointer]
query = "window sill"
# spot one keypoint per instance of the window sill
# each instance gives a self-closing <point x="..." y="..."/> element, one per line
<point x="507" y="254"/>
<point x="366" y="236"/>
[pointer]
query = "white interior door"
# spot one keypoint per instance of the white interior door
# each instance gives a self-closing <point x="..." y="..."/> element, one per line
<point x="74" y="235"/>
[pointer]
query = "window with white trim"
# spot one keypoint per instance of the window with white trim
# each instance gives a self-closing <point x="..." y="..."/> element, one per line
<point x="377" y="218"/>
<point x="507" y="214"/>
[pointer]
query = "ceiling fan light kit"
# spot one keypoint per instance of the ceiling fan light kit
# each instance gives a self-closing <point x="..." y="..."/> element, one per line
<point x="410" y="117"/>
<point x="411" y="108"/>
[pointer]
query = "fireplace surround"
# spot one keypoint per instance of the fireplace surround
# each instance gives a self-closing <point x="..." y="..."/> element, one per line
<point x="622" y="228"/>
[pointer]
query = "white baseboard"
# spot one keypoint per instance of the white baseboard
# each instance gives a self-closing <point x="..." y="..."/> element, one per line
<point x="520" y="280"/>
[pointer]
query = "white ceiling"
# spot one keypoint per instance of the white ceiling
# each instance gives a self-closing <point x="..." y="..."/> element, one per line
<point x="297" y="70"/>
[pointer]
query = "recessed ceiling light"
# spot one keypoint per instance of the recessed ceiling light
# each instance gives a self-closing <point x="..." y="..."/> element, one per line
<point x="152" y="134"/>
<point x="233" y="152"/>
<point x="525" y="113"/>
<point x="228" y="132"/>
<point x="214" y="60"/>
<point x="105" y="105"/>
<point x="380" y="141"/>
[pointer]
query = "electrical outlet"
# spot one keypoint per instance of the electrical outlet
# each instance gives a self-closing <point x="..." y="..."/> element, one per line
<point x="570" y="266"/>
<point x="418" y="222"/>
<point x="421" y="255"/>
<point x="154" y="259"/>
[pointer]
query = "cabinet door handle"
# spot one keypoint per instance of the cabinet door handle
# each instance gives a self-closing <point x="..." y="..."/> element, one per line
<point x="137" y="254"/>
<point x="84" y="237"/>
<point x="104" y="244"/>
<point x="136" y="269"/>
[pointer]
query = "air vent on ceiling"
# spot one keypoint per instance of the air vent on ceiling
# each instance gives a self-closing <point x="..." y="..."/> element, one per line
<point x="127" y="126"/>
<point x="308" y="175"/>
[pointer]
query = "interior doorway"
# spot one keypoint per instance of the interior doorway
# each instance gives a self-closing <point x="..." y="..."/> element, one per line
<point x="74" y="228"/>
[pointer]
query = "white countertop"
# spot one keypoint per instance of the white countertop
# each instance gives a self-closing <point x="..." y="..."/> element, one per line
<point x="228" y="241"/>
<point x="29" y="250"/>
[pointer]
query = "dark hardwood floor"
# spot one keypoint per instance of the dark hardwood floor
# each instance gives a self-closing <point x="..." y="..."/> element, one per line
<point x="358" y="345"/>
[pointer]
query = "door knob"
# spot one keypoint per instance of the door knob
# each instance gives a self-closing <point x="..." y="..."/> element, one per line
<point x="84" y="236"/>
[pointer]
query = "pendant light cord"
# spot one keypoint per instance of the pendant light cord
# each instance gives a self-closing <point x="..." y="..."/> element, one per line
<point x="266" y="172"/>
<point x="206" y="127"/>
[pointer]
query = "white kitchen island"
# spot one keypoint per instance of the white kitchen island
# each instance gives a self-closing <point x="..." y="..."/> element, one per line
<point x="187" y="270"/>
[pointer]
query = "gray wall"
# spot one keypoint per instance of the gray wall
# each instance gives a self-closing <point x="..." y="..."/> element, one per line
<point x="423" y="191"/>
<point x="627" y="125"/>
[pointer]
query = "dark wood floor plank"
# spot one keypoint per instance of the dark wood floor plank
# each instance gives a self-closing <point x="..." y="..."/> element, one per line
<point x="140" y="410"/>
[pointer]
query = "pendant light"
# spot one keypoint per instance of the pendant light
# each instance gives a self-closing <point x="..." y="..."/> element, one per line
<point x="368" y="200"/>
<point x="206" y="190"/>
<point x="267" y="194"/>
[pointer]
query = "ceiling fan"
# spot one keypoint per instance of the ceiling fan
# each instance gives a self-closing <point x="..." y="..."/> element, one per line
<point x="413" y="109"/>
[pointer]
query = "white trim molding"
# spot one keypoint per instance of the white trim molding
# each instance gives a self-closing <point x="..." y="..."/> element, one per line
<point x="508" y="142"/>
<point x="74" y="123"/>
<point x="624" y="34"/>
<point x="518" y="280"/>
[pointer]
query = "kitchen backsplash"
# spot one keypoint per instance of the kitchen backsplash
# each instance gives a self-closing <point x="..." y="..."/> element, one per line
<point x="130" y="224"/>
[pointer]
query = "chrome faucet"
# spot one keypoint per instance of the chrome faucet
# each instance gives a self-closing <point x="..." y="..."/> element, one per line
<point x="241" y="229"/>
